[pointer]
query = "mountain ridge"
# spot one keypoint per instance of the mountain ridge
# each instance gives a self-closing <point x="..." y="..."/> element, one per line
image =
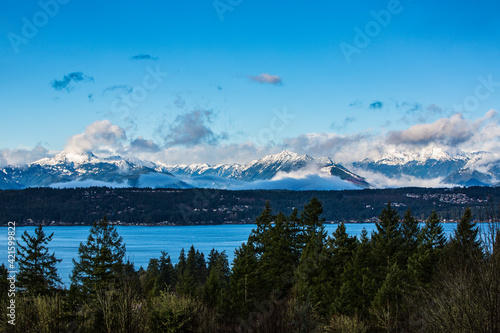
<point x="283" y="170"/>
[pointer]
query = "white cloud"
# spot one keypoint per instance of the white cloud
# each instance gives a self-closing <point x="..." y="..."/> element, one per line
<point x="211" y="154"/>
<point x="450" y="131"/>
<point x="22" y="156"/>
<point x="306" y="183"/>
<point x="100" y="137"/>
<point x="379" y="180"/>
<point x="104" y="138"/>
<point x="342" y="148"/>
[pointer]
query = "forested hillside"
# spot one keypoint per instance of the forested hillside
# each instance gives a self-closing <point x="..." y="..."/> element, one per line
<point x="203" y="206"/>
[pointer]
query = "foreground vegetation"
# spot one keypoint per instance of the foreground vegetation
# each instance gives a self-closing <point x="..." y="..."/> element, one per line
<point x="289" y="277"/>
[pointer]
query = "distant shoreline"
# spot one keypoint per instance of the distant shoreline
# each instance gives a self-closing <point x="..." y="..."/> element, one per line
<point x="163" y="207"/>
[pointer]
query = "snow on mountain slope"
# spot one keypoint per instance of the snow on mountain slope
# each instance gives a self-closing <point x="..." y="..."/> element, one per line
<point x="86" y="169"/>
<point x="271" y="166"/>
<point x="453" y="168"/>
<point x="285" y="170"/>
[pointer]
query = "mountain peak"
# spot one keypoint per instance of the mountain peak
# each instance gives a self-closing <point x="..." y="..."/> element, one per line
<point x="285" y="155"/>
<point x="420" y="156"/>
<point x="67" y="157"/>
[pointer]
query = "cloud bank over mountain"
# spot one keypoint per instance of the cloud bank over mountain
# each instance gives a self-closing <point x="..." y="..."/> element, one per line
<point x="190" y="138"/>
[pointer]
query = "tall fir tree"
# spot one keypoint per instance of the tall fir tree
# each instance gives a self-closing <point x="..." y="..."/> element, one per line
<point x="201" y="268"/>
<point x="187" y="284"/>
<point x="341" y="249"/>
<point x="358" y="280"/>
<point x="411" y="235"/>
<point x="219" y="262"/>
<point x="166" y="270"/>
<point x="465" y="241"/>
<point x="244" y="283"/>
<point x="260" y="235"/>
<point x="312" y="273"/>
<point x="100" y="259"/>
<point x="296" y="231"/>
<point x="433" y="234"/>
<point x="159" y="275"/>
<point x="387" y="241"/>
<point x="4" y="283"/>
<point x="423" y="263"/>
<point x="389" y="254"/>
<point x="278" y="260"/>
<point x="37" y="267"/>
<point x="181" y="264"/>
<point x="214" y="291"/>
<point x="312" y="223"/>
<point x="150" y="278"/>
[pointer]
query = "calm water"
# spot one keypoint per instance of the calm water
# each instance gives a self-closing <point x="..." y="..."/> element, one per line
<point x="143" y="243"/>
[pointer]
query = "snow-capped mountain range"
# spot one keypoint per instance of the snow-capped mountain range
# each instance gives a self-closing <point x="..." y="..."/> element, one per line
<point x="447" y="168"/>
<point x="285" y="170"/>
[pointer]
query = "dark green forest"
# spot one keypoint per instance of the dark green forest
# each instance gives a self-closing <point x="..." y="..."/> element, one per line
<point x="290" y="276"/>
<point x="204" y="206"/>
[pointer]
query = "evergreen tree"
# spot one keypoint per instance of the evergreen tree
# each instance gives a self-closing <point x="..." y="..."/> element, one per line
<point x="311" y="221"/>
<point x="160" y="275"/>
<point x="260" y="235"/>
<point x="151" y="278"/>
<point x="313" y="272"/>
<point x="219" y="262"/>
<point x="387" y="303"/>
<point x="387" y="242"/>
<point x="4" y="283"/>
<point x="201" y="272"/>
<point x="341" y="249"/>
<point x="424" y="262"/>
<point x="100" y="260"/>
<point x="181" y="264"/>
<point x="244" y="282"/>
<point x="358" y="281"/>
<point x="167" y="272"/>
<point x="37" y="268"/>
<point x="496" y="245"/>
<point x="296" y="231"/>
<point x="278" y="260"/>
<point x="433" y="235"/>
<point x="465" y="241"/>
<point x="212" y="258"/>
<point x="389" y="254"/>
<point x="324" y="285"/>
<point x="411" y="233"/>
<point x="211" y="292"/>
<point x="188" y="282"/>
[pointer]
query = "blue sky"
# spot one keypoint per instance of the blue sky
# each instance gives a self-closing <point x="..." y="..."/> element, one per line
<point x="237" y="79"/>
